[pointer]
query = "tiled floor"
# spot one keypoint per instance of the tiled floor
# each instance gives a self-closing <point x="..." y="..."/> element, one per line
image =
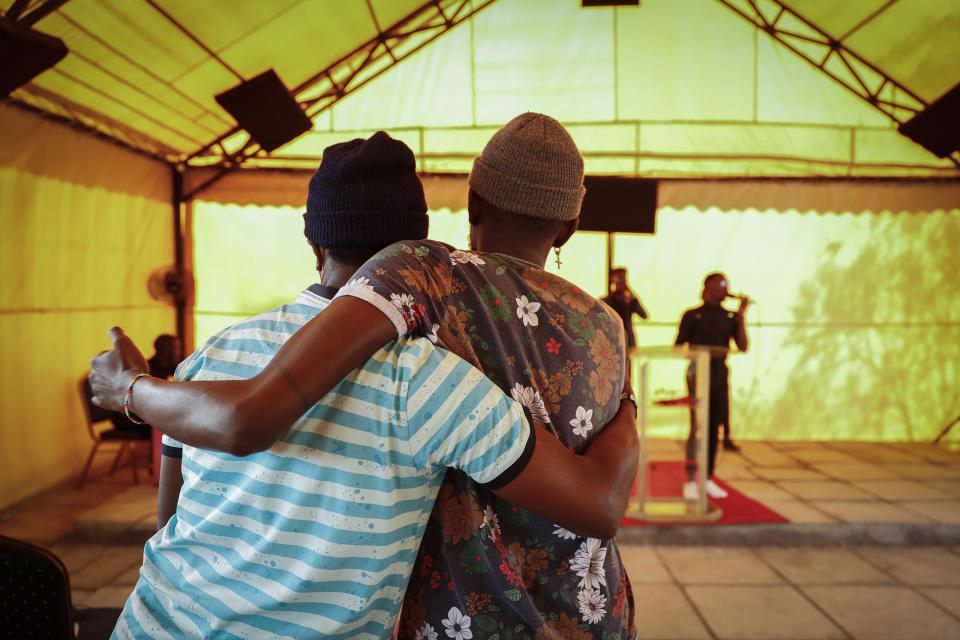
<point x="795" y="592"/>
<point x="756" y="589"/>
<point x="842" y="482"/>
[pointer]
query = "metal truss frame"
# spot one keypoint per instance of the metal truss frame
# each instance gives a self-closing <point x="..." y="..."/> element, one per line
<point x="39" y="10"/>
<point x="830" y="56"/>
<point x="327" y="87"/>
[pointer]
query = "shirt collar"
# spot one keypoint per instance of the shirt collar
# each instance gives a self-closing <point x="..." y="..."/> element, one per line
<point x="323" y="291"/>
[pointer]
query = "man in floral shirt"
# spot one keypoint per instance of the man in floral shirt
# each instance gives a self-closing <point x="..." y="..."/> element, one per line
<point x="487" y="568"/>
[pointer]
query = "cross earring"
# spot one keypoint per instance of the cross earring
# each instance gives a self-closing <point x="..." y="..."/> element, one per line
<point x="556" y="251"/>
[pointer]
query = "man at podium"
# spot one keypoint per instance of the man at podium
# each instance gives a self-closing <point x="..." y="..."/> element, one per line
<point x="712" y="325"/>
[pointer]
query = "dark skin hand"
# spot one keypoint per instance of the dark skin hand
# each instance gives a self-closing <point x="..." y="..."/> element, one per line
<point x="740" y="338"/>
<point x="586" y="494"/>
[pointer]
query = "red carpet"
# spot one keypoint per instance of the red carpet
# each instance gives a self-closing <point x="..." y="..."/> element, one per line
<point x="666" y="478"/>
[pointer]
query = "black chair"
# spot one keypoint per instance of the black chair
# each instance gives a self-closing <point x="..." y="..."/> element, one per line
<point x="34" y="593"/>
<point x="128" y="440"/>
<point x="35" y="598"/>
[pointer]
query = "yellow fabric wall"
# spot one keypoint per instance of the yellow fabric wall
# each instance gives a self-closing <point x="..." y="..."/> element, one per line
<point x="84" y="223"/>
<point x="856" y="330"/>
<point x="855" y="335"/>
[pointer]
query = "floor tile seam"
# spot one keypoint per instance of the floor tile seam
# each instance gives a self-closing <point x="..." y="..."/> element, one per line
<point x="897" y="505"/>
<point x="915" y="589"/>
<point x="84" y="566"/>
<point x="936" y="603"/>
<point x="833" y="447"/>
<point x="851" y="499"/>
<point x="787" y="491"/>
<point x="923" y="515"/>
<point x="896" y="579"/>
<point x="927" y="520"/>
<point x="807" y="502"/>
<point x="686" y="596"/>
<point x="803" y="595"/>
<point x="797" y="480"/>
<point x="943" y="499"/>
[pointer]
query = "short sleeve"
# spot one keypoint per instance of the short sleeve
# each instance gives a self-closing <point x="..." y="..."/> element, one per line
<point x="170" y="447"/>
<point x="409" y="282"/>
<point x="458" y="418"/>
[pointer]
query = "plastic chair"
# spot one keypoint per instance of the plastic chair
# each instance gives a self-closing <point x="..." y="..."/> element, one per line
<point x="35" y="598"/>
<point x="126" y="439"/>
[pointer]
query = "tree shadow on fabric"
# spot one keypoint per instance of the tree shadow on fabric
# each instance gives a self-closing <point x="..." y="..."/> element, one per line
<point x="876" y="344"/>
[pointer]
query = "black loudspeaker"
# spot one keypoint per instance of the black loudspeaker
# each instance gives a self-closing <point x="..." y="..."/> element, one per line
<point x="25" y="53"/>
<point x="614" y="204"/>
<point x="265" y="109"/>
<point x="609" y="3"/>
<point x="937" y="128"/>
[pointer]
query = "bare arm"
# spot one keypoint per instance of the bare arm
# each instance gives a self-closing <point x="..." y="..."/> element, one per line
<point x="740" y="331"/>
<point x="638" y="308"/>
<point x="171" y="479"/>
<point x="585" y="494"/>
<point x="245" y="416"/>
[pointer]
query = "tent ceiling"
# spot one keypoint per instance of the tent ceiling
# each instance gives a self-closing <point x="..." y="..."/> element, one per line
<point x="145" y="72"/>
<point x="863" y="46"/>
<point x="915" y="42"/>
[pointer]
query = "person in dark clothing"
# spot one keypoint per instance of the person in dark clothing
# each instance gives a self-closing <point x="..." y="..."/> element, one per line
<point x="625" y="302"/>
<point x="166" y="356"/>
<point x="712" y="325"/>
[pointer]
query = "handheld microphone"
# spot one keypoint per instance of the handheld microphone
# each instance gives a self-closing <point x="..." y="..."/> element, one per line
<point x="741" y="296"/>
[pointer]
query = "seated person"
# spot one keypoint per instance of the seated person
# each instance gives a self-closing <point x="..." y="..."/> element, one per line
<point x="166" y="356"/>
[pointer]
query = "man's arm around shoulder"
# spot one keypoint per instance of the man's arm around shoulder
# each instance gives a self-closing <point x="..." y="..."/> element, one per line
<point x="458" y="418"/>
<point x="245" y="416"/>
<point x="586" y="494"/>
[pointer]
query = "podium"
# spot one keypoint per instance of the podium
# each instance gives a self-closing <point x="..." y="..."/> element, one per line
<point x="675" y="508"/>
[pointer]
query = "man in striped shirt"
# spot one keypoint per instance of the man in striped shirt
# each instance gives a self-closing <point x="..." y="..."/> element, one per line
<point x="316" y="536"/>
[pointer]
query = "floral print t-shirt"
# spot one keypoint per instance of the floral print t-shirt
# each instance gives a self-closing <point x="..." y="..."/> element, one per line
<point x="486" y="568"/>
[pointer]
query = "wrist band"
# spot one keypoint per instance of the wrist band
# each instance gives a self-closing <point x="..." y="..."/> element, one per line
<point x="126" y="400"/>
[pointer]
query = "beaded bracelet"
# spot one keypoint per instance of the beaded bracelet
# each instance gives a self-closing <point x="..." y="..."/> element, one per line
<point x="126" y="400"/>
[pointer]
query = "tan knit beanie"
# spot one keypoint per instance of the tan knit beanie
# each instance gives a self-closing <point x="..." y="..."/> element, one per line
<point x="531" y="167"/>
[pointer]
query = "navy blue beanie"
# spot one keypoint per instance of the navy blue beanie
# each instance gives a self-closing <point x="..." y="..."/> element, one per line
<point x="366" y="193"/>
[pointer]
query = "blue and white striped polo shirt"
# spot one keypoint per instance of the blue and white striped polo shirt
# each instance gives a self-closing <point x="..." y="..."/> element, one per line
<point x="316" y="536"/>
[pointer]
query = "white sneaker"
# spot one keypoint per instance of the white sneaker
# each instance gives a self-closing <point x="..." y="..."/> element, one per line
<point x="714" y="490"/>
<point x="690" y="491"/>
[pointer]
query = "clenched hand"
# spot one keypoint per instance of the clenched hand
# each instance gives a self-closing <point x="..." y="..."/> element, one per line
<point x="111" y="371"/>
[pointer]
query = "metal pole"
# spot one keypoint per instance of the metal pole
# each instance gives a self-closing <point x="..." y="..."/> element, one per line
<point x="178" y="255"/>
<point x="642" y="420"/>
